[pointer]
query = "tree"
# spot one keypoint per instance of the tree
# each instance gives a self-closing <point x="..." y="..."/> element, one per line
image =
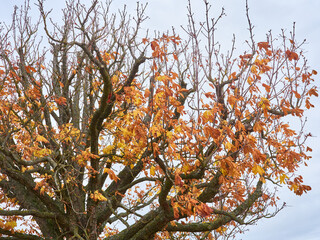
<point x="109" y="133"/>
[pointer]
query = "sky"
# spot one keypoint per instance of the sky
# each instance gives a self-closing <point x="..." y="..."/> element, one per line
<point x="300" y="220"/>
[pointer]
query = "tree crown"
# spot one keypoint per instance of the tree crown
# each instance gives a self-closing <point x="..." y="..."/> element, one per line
<point x="165" y="136"/>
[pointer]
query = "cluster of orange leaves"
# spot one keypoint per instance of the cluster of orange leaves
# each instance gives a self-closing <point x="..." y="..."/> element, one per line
<point x="182" y="142"/>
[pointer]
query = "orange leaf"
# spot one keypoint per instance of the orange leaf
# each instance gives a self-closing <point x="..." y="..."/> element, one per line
<point x="154" y="45"/>
<point x="297" y="95"/>
<point x="267" y="87"/>
<point x="309" y="104"/>
<point x="175" y="210"/>
<point x="292" y="55"/>
<point x="111" y="173"/>
<point x="313" y="91"/>
<point x="42" y="190"/>
<point x="30" y="69"/>
<point x="204" y="210"/>
<point x="264" y="45"/>
<point x="309" y="149"/>
<point x="178" y="180"/>
<point x="61" y="101"/>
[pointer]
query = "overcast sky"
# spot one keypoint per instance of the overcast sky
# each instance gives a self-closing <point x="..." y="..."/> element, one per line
<point x="300" y="220"/>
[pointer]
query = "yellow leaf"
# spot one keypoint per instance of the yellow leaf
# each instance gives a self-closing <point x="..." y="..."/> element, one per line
<point x="265" y="103"/>
<point x="114" y="79"/>
<point x="137" y="101"/>
<point x="40" y="138"/>
<point x="121" y="145"/>
<point x="207" y="115"/>
<point x="97" y="196"/>
<point x="254" y="69"/>
<point x="101" y="197"/>
<point x="283" y="177"/>
<point x="152" y="170"/>
<point x="10" y="225"/>
<point x="257" y="169"/>
<point x="223" y="171"/>
<point x="178" y="129"/>
<point x="42" y="190"/>
<point x="42" y="152"/>
<point x="293" y="187"/>
<point x="108" y="149"/>
<point x="169" y="134"/>
<point x="228" y="146"/>
<point x="185" y="168"/>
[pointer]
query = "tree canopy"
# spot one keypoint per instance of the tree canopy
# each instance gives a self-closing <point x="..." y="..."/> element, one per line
<point x="110" y="132"/>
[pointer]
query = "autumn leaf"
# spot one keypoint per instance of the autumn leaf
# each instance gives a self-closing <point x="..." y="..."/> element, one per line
<point x="40" y="138"/>
<point x="228" y="146"/>
<point x="265" y="103"/>
<point x="309" y="149"/>
<point x="42" y="152"/>
<point x="30" y="69"/>
<point x="308" y="104"/>
<point x="258" y="127"/>
<point x="61" y="101"/>
<point x="111" y="174"/>
<point x="97" y="196"/>
<point x="178" y="180"/>
<point x="152" y="170"/>
<point x="296" y="94"/>
<point x="313" y="91"/>
<point x="263" y="45"/>
<point x="257" y="170"/>
<point x="283" y="177"/>
<point x="108" y="149"/>
<point x="292" y="55"/>
<point x="42" y="190"/>
<point x="10" y="225"/>
<point x="154" y="45"/>
<point x="175" y="208"/>
<point x="204" y="210"/>
<point x="267" y="87"/>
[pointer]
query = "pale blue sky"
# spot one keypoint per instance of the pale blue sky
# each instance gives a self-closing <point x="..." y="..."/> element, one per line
<point x="300" y="220"/>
